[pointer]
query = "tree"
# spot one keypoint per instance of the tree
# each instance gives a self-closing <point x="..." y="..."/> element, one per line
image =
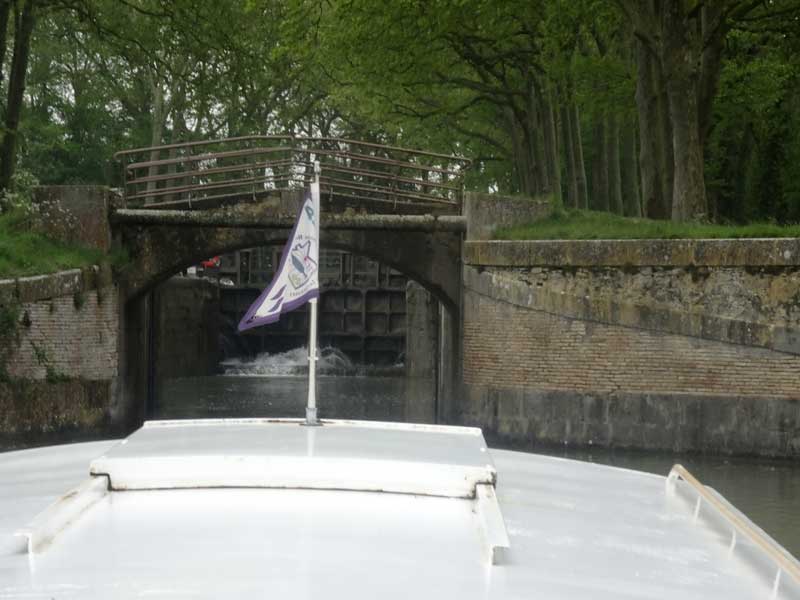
<point x="24" y="12"/>
<point x="685" y="42"/>
<point x="550" y="97"/>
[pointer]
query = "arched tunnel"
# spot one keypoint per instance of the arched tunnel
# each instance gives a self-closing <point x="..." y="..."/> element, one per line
<point x="399" y="269"/>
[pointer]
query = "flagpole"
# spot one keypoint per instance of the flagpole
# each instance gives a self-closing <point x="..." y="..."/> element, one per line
<point x="311" y="406"/>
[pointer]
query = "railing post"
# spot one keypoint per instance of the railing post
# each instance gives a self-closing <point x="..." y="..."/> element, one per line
<point x="365" y="172"/>
<point x="252" y="161"/>
<point x="123" y="162"/>
<point x="186" y="180"/>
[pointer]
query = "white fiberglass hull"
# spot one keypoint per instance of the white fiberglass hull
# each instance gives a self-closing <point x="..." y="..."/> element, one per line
<point x="576" y="530"/>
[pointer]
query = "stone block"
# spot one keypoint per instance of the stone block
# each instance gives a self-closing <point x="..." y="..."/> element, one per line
<point x="634" y="253"/>
<point x="183" y="348"/>
<point x="38" y="411"/>
<point x="509" y="403"/>
<point x="75" y="214"/>
<point x="786" y="339"/>
<point x="422" y="331"/>
<point x="487" y="212"/>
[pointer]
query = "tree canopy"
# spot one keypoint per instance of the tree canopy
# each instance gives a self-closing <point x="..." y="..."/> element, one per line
<point x="661" y="108"/>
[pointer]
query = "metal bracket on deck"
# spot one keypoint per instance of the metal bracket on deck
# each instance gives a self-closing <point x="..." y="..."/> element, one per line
<point x="45" y="526"/>
<point x="492" y="525"/>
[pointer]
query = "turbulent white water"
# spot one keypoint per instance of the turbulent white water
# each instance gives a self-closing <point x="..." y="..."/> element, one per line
<point x="291" y="362"/>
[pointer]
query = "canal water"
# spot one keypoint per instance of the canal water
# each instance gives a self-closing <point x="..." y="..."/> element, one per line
<point x="275" y="386"/>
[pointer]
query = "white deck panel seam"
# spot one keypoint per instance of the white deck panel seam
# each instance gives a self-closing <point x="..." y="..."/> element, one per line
<point x="412" y="427"/>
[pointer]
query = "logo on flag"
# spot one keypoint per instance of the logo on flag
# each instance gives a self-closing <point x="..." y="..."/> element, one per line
<point x="297" y="278"/>
<point x="304" y="267"/>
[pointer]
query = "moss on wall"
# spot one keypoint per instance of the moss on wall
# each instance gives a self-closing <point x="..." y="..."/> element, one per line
<point x="36" y="409"/>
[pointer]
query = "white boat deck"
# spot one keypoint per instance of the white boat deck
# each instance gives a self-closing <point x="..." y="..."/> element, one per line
<point x="576" y="530"/>
<point x="283" y="453"/>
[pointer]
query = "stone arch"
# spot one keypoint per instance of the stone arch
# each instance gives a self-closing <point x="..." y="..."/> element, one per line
<point x="432" y="259"/>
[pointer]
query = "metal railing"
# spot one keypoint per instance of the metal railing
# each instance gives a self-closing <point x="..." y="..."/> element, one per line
<point x="208" y="174"/>
<point x="783" y="562"/>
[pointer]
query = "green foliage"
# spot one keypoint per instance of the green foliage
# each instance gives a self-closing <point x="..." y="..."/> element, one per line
<point x="753" y="151"/>
<point x="446" y="76"/>
<point x="10" y="310"/>
<point x="78" y="299"/>
<point x="9" y="320"/>
<point x="40" y="354"/>
<point x="52" y="375"/>
<point x="19" y="197"/>
<point x="591" y="225"/>
<point x="24" y="252"/>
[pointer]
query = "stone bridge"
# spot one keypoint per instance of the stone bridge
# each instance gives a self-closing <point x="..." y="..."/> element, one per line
<point x="685" y="345"/>
<point x="161" y="243"/>
<point x="425" y="248"/>
<point x="184" y="203"/>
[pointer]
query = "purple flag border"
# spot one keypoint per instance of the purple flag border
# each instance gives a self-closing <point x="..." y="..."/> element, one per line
<point x="248" y="320"/>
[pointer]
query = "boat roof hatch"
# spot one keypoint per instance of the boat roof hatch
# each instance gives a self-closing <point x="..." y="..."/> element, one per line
<point x="340" y="455"/>
<point x="431" y="460"/>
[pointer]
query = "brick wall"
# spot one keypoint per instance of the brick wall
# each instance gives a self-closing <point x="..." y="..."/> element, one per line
<point x="59" y="360"/>
<point x="532" y="348"/>
<point x="635" y="356"/>
<point x="69" y="336"/>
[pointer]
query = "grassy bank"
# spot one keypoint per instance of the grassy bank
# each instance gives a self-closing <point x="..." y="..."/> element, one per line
<point x="23" y="252"/>
<point x="590" y="225"/>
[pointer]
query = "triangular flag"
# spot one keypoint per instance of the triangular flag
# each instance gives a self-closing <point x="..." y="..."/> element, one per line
<point x="297" y="278"/>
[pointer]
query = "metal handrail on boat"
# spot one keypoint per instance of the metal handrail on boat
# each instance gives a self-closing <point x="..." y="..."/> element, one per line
<point x="785" y="562"/>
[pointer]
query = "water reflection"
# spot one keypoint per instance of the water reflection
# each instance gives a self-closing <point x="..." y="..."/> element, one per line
<point x="372" y="398"/>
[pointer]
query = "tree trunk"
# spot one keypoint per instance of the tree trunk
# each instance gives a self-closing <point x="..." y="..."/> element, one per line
<point x="630" y="170"/>
<point x="569" y="154"/>
<point x="520" y="147"/>
<point x="614" y="176"/>
<point x="599" y="199"/>
<point x="531" y="148"/>
<point x="5" y="12"/>
<point x="649" y="130"/>
<point x="681" y="48"/>
<point x="551" y="146"/>
<point x="689" y="191"/>
<point x="23" y="29"/>
<point x="655" y="135"/>
<point x="740" y="159"/>
<point x="156" y="131"/>
<point x="711" y="64"/>
<point x="580" y="166"/>
<point x="178" y="135"/>
<point x="665" y="149"/>
<point x="688" y="42"/>
<point x="538" y="144"/>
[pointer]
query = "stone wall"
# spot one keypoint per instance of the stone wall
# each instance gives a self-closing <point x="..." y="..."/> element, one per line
<point x="75" y="214"/>
<point x="58" y="353"/>
<point x="187" y="313"/>
<point x="665" y="345"/>
<point x="422" y="353"/>
<point x="487" y="212"/>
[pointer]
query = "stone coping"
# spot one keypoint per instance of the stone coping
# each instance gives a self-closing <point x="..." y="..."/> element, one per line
<point x="231" y="218"/>
<point x="53" y="285"/>
<point x="507" y="288"/>
<point x="757" y="252"/>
